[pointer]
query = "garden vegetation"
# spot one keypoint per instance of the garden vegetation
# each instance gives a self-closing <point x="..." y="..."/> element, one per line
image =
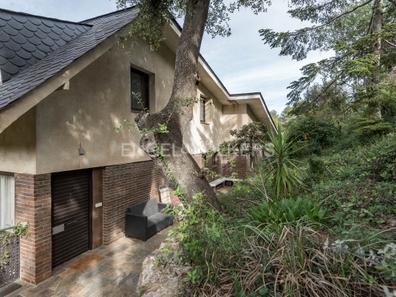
<point x="315" y="225"/>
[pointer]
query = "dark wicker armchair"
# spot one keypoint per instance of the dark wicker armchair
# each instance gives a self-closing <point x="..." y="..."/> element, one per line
<point x="145" y="220"/>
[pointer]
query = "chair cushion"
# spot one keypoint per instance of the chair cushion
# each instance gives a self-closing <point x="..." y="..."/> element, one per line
<point x="147" y="208"/>
<point x="159" y="221"/>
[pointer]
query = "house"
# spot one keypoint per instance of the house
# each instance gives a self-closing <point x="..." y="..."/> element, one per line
<point x="67" y="169"/>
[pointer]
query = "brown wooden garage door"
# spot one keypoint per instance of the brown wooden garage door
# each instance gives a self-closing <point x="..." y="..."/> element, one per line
<point x="70" y="215"/>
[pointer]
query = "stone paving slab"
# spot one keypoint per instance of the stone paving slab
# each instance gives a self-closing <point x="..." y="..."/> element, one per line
<point x="111" y="270"/>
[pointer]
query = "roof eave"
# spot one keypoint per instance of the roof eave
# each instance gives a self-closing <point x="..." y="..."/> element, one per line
<point x="254" y="100"/>
<point x="226" y="95"/>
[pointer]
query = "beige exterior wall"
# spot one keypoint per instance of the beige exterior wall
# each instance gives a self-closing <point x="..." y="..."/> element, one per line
<point x="98" y="102"/>
<point x="18" y="145"/>
<point x="202" y="137"/>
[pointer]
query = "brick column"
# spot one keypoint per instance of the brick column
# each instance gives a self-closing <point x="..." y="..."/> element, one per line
<point x="33" y="205"/>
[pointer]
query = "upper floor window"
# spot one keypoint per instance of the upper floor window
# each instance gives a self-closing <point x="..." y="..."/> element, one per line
<point x="7" y="201"/>
<point x="202" y="109"/>
<point x="140" y="99"/>
<point x="205" y="110"/>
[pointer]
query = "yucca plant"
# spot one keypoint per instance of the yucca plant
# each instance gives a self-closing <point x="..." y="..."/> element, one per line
<point x="282" y="171"/>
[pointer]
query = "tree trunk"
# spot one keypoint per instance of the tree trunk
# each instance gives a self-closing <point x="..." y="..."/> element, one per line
<point x="176" y="161"/>
<point x="376" y="28"/>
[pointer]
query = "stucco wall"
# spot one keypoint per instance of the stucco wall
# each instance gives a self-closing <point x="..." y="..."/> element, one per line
<point x="18" y="144"/>
<point x="97" y="103"/>
<point x="77" y="128"/>
<point x="201" y="137"/>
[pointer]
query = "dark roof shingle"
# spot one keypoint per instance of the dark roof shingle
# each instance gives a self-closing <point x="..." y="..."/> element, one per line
<point x="33" y="49"/>
<point x="26" y="39"/>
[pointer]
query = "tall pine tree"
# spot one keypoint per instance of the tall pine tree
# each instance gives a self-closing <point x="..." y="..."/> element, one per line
<point x="362" y="35"/>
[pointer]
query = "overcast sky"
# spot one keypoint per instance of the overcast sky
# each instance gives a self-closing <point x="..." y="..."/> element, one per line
<point x="242" y="61"/>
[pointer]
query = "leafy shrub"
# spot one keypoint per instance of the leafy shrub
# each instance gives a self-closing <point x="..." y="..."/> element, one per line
<point x="206" y="238"/>
<point x="288" y="211"/>
<point x="262" y="246"/>
<point x="316" y="169"/>
<point x="358" y="184"/>
<point x="313" y="133"/>
<point x="366" y="128"/>
<point x="20" y="229"/>
<point x="383" y="165"/>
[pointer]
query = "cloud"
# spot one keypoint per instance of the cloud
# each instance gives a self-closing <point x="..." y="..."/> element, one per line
<point x="242" y="61"/>
<point x="73" y="10"/>
<point x="282" y="69"/>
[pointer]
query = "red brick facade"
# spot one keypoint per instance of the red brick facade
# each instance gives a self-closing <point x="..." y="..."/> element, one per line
<point x="123" y="186"/>
<point x="229" y="165"/>
<point x="234" y="165"/>
<point x="33" y="205"/>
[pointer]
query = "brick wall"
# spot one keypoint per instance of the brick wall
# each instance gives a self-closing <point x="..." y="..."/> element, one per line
<point x="33" y="205"/>
<point x="235" y="165"/>
<point x="225" y="165"/>
<point x="123" y="186"/>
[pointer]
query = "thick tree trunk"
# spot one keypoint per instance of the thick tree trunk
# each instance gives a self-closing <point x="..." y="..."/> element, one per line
<point x="176" y="160"/>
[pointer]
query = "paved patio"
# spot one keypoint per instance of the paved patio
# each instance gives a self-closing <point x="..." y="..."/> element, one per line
<point x="111" y="270"/>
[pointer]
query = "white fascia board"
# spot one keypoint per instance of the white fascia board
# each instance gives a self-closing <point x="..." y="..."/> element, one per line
<point x="231" y="98"/>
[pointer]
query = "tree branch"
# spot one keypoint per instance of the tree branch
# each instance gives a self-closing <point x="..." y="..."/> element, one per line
<point x="390" y="43"/>
<point x="393" y="2"/>
<point x="340" y="16"/>
<point x="325" y="90"/>
<point x="370" y="24"/>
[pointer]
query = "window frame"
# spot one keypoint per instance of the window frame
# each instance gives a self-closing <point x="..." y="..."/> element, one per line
<point x="202" y="109"/>
<point x="14" y="198"/>
<point x="145" y="88"/>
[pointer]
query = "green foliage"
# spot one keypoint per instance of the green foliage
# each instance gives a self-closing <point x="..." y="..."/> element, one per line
<point x="288" y="212"/>
<point x="205" y="239"/>
<point x="163" y="128"/>
<point x="361" y="35"/>
<point x="329" y="104"/>
<point x="298" y="261"/>
<point x="292" y="259"/>
<point x="382" y="167"/>
<point x="312" y="133"/>
<point x="331" y="239"/>
<point x="154" y="14"/>
<point x="358" y="184"/>
<point x="365" y="128"/>
<point x="281" y="170"/>
<point x="18" y="230"/>
<point x="249" y="135"/>
<point x="317" y="167"/>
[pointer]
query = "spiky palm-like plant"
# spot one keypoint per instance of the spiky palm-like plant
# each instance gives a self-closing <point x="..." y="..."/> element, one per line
<point x="283" y="172"/>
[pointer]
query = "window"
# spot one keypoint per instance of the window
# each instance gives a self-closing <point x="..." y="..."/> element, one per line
<point x="202" y="109"/>
<point x="139" y="90"/>
<point x="7" y="201"/>
<point x="214" y="159"/>
<point x="205" y="109"/>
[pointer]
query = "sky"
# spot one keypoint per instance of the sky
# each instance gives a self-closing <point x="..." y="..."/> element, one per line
<point x="242" y="61"/>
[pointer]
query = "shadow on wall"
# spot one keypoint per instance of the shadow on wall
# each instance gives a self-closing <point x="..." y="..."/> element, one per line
<point x="77" y="130"/>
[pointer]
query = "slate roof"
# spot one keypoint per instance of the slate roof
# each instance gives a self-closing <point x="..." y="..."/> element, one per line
<point x="33" y="48"/>
<point x="26" y="39"/>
